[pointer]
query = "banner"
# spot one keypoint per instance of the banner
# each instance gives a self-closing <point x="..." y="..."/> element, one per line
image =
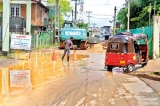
<point x="19" y="41"/>
<point x="20" y="78"/>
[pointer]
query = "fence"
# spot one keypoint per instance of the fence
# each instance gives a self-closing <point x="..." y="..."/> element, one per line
<point x="41" y="40"/>
<point x="149" y="32"/>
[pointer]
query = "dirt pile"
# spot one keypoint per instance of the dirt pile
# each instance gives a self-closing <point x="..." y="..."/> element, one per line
<point x="104" y="44"/>
<point x="153" y="65"/>
<point x="96" y="48"/>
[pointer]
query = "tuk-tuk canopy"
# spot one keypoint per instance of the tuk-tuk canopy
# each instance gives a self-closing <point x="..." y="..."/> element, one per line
<point x="127" y="37"/>
<point x="140" y="36"/>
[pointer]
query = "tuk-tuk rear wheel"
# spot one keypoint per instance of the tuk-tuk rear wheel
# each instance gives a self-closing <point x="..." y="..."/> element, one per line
<point x="109" y="68"/>
<point x="144" y="64"/>
<point x="130" y="68"/>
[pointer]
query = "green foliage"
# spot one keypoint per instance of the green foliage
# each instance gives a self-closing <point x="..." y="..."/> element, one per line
<point x="65" y="7"/>
<point x="46" y="46"/>
<point x="139" y="13"/>
<point x="83" y="25"/>
<point x="122" y="18"/>
<point x="2" y="57"/>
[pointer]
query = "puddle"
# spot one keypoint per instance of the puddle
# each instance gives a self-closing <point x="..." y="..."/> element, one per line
<point x="37" y="71"/>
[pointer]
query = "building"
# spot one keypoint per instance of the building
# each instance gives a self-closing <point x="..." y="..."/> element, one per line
<point x="106" y="31"/>
<point x="17" y="19"/>
<point x="97" y="32"/>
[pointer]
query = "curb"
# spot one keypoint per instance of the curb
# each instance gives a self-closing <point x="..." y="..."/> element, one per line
<point x="148" y="76"/>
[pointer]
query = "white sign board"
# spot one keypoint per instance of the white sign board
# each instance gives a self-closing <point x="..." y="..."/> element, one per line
<point x="19" y="41"/>
<point x="20" y="78"/>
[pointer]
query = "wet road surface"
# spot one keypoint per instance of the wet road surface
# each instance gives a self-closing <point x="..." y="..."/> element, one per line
<point x="43" y="82"/>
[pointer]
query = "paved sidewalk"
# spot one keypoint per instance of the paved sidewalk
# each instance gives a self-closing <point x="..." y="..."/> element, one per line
<point x="148" y="70"/>
<point x="147" y="74"/>
<point x="154" y="84"/>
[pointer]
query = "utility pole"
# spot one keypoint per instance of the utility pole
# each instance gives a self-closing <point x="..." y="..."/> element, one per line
<point x="114" y="23"/>
<point x="59" y="11"/>
<point x="150" y="8"/>
<point x="154" y="8"/>
<point x="128" y="15"/>
<point x="56" y="25"/>
<point x="89" y="16"/>
<point x="52" y="28"/>
<point x="75" y="10"/>
<point x="72" y="15"/>
<point x="75" y="14"/>
<point x="5" y="28"/>
<point x="94" y="24"/>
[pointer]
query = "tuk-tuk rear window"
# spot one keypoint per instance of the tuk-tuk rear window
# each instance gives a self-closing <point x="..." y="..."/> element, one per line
<point x="117" y="47"/>
<point x="114" y="46"/>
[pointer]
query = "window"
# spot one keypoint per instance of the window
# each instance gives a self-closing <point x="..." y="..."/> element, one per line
<point x="41" y="13"/>
<point x="114" y="46"/>
<point x="15" y="10"/>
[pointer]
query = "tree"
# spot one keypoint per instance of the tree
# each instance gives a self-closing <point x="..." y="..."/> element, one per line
<point x="122" y="18"/>
<point x="139" y="13"/>
<point x="65" y="7"/>
<point x="83" y="25"/>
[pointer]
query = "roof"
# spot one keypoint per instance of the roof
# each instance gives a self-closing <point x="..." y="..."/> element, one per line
<point x="127" y="37"/>
<point x="140" y="36"/>
<point x="41" y="4"/>
<point x="136" y="36"/>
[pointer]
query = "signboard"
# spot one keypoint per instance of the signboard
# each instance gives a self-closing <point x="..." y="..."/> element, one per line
<point x="19" y="41"/>
<point x="73" y="33"/>
<point x="19" y="78"/>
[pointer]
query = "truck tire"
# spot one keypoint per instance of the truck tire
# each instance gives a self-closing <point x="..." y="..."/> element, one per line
<point x="82" y="45"/>
<point x="61" y="46"/>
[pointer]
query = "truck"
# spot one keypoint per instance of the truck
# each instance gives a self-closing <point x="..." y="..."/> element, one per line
<point x="79" y="35"/>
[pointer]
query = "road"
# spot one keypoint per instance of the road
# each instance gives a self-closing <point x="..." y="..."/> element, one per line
<point x="78" y="83"/>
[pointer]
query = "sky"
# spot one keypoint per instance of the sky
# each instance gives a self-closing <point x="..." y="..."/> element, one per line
<point x="102" y="11"/>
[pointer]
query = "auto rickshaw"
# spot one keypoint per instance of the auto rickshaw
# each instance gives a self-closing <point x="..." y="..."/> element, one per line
<point x="126" y="50"/>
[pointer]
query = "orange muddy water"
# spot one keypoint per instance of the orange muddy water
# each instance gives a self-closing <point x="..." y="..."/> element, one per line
<point x="38" y="70"/>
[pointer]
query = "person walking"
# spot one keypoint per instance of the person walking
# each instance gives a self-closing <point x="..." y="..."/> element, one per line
<point x="69" y="44"/>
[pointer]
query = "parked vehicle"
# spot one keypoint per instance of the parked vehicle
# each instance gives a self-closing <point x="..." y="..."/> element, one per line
<point x="126" y="50"/>
<point x="69" y="30"/>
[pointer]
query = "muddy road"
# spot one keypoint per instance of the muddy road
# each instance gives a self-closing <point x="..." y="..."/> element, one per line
<point x="76" y="83"/>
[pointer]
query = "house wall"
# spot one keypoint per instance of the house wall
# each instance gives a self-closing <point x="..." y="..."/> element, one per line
<point x="23" y="10"/>
<point x="38" y="16"/>
<point x="35" y="14"/>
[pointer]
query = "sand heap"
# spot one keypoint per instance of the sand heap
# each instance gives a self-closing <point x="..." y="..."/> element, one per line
<point x="96" y="48"/>
<point x="104" y="44"/>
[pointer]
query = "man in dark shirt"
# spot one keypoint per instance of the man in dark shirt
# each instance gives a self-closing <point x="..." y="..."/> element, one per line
<point x="68" y="45"/>
<point x="137" y="50"/>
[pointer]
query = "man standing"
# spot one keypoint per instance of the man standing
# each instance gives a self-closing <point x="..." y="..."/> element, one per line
<point x="68" y="45"/>
<point x="137" y="51"/>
